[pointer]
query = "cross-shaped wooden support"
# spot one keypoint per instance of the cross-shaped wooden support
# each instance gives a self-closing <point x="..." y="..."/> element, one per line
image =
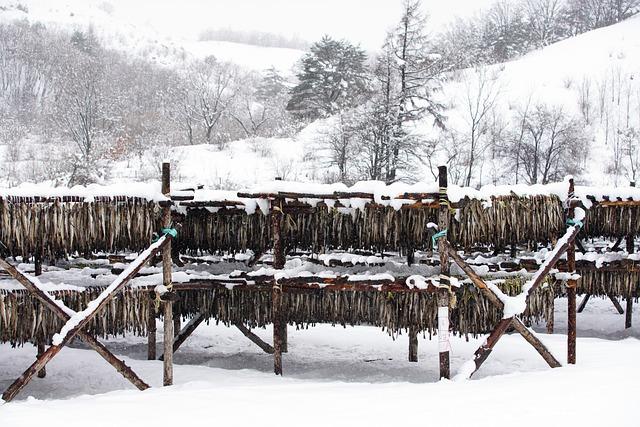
<point x="483" y="352"/>
<point x="77" y="321"/>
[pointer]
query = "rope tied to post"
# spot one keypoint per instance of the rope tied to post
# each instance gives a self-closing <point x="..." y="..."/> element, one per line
<point x="438" y="235"/>
<point x="166" y="231"/>
<point x="575" y="222"/>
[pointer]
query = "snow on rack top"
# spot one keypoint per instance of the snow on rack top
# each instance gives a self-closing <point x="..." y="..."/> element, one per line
<point x="149" y="191"/>
<point x="382" y="193"/>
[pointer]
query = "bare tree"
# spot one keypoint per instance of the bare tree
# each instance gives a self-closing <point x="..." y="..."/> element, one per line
<point x="544" y="21"/>
<point x="479" y="99"/>
<point x="555" y="145"/>
<point x="212" y="90"/>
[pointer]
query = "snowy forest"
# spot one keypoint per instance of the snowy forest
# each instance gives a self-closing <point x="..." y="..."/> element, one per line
<point x="72" y="107"/>
<point x="276" y="212"/>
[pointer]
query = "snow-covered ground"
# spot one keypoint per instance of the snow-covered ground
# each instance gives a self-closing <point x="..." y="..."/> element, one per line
<point x="341" y="376"/>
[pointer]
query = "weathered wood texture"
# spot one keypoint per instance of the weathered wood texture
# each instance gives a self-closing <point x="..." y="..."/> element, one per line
<point x="167" y="377"/>
<point x="151" y="328"/>
<point x="413" y="345"/>
<point x="276" y="300"/>
<point x="254" y="338"/>
<point x="443" y="292"/>
<point x="571" y="286"/>
<point x="185" y="332"/>
<point x="584" y="302"/>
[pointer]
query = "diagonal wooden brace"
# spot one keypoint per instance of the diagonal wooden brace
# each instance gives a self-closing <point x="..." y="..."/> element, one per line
<point x="185" y="332"/>
<point x="77" y="321"/>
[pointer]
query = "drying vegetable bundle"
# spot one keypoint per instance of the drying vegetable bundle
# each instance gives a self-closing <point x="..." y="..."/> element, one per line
<point x="604" y="283"/>
<point x="508" y="220"/>
<point x="67" y="227"/>
<point x="612" y="221"/>
<point x="394" y="312"/>
<point x="372" y="228"/>
<point x="24" y="319"/>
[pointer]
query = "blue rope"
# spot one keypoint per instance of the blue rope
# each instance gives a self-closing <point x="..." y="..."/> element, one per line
<point x="436" y="236"/>
<point x="170" y="231"/>
<point x="165" y="232"/>
<point x="576" y="222"/>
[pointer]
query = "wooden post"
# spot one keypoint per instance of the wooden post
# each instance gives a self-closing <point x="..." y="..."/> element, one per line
<point x="284" y="334"/>
<point x="276" y="298"/>
<point x="167" y="379"/>
<point x="177" y="325"/>
<point x="571" y="286"/>
<point x="151" y="327"/>
<point x="42" y="373"/>
<point x="551" y="315"/>
<point x="279" y="325"/>
<point x="443" y="291"/>
<point x="413" y="344"/>
<point x="628" y="313"/>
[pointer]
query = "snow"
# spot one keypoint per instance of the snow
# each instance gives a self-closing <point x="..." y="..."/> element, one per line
<point x="555" y="75"/>
<point x="149" y="191"/>
<point x="340" y="376"/>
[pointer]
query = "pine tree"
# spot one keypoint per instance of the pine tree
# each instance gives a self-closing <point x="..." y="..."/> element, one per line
<point x="333" y="77"/>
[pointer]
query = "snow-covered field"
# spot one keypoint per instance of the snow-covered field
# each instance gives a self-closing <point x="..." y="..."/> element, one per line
<point x="341" y="376"/>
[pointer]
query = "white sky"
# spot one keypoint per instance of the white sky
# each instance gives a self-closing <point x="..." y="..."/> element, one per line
<point x="361" y="21"/>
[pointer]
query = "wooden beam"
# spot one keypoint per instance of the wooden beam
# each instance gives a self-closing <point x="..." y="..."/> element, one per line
<point x="151" y="327"/>
<point x="572" y="284"/>
<point x="167" y="365"/>
<point x="628" y="311"/>
<point x="254" y="338"/>
<point x="185" y="333"/>
<point x="443" y="291"/>
<point x="483" y="352"/>
<point x="276" y="313"/>
<point x="64" y="314"/>
<point x="42" y="373"/>
<point x="583" y="303"/>
<point x="536" y="343"/>
<point x="616" y="303"/>
<point x="413" y="344"/>
<point x="550" y="316"/>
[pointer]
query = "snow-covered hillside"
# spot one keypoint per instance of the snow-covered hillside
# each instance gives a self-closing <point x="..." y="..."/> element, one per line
<point x="559" y="75"/>
<point x="593" y="76"/>
<point x="600" y="67"/>
<point x="130" y="27"/>
<point x="168" y="32"/>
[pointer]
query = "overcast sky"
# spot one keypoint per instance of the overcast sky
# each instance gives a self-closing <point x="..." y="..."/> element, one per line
<point x="361" y="21"/>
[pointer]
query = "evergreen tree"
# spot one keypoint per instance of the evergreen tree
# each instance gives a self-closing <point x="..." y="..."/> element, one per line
<point x="333" y="77"/>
